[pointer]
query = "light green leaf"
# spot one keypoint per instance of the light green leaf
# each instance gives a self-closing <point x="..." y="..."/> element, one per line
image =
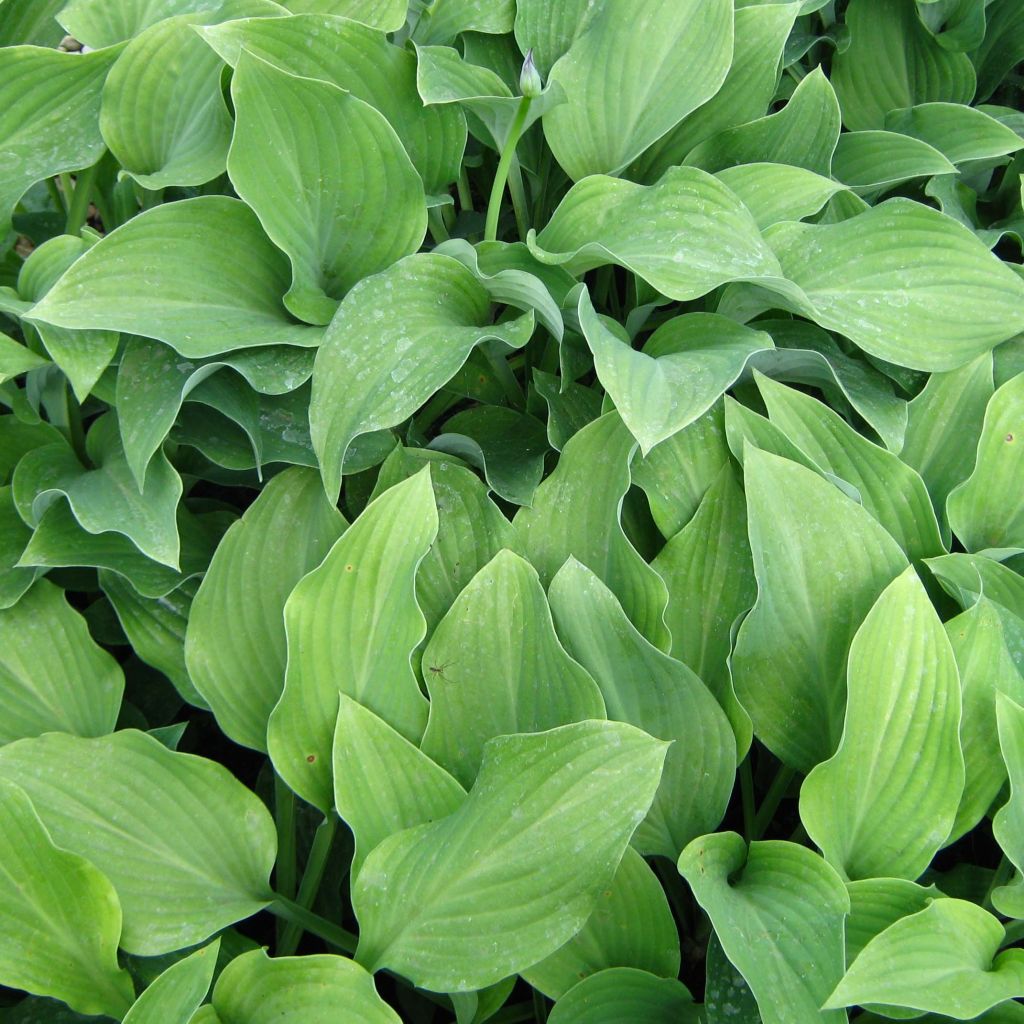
<point x="684" y="368"/>
<point x="443" y="20"/>
<point x="905" y="283"/>
<point x="367" y="210"/>
<point x="605" y="220"/>
<point x="549" y="28"/>
<point x="235" y="647"/>
<point x="546" y="826"/>
<point x="18" y="437"/>
<point x="382" y="782"/>
<point x="893" y="61"/>
<point x="15" y="579"/>
<point x="760" y="33"/>
<point x="986" y="662"/>
<point x="968" y="577"/>
<point x="105" y="498"/>
<point x="60" y="919"/>
<point x="199" y="274"/>
<point x="624" y="993"/>
<point x="943" y="959"/>
<point x="709" y="573"/>
<point x="962" y="133"/>
<point x="630" y="52"/>
<point x="16" y="359"/>
<point x="877" y="903"/>
<point x="1008" y="821"/>
<point x="363" y="63"/>
<point x="884" y="804"/>
<point x="778" y="911"/>
<point x="652" y="691"/>
<point x="54" y="676"/>
<point x="820" y="562"/>
<point x="298" y="990"/>
<point x="364" y="379"/>
<point x="31" y="21"/>
<point x="631" y="926"/>
<point x="50" y="121"/>
<point x="803" y="133"/>
<point x="175" y="996"/>
<point x="494" y="666"/>
<point x="576" y="512"/>
<point x="352" y="625"/>
<point x="385" y="15"/>
<point x="987" y="509"/>
<point x="874" y="159"/>
<point x="777" y="192"/>
<point x="187" y="847"/>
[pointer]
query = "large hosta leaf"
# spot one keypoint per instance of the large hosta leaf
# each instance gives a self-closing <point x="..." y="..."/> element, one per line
<point x="352" y="625"/>
<point x="365" y="376"/>
<point x="877" y="903"/>
<point x="464" y="902"/>
<point x="885" y="802"/>
<point x="629" y="53"/>
<point x="775" y="192"/>
<point x="188" y="848"/>
<point x="820" y="562"/>
<point x="576" y="512"/>
<point x="549" y="27"/>
<point x="59" y="917"/>
<point x="621" y="994"/>
<point x="199" y="275"/>
<point x="444" y="20"/>
<point x="235" y="646"/>
<point x="943" y="959"/>
<point x="960" y="132"/>
<point x="778" y="911"/>
<point x="660" y="695"/>
<point x="53" y="676"/>
<point x="494" y="666"/>
<point x="367" y="209"/>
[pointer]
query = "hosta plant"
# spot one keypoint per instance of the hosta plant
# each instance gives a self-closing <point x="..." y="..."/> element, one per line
<point x="511" y="510"/>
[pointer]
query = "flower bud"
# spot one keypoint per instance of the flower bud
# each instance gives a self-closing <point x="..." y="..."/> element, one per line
<point x="529" y="78"/>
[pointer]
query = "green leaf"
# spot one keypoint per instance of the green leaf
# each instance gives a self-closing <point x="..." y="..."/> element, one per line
<point x="298" y="990"/>
<point x="549" y="28"/>
<point x="199" y="274"/>
<point x="631" y="926"/>
<point x="54" y="677"/>
<point x="576" y="512"/>
<point x="630" y="52"/>
<point x="987" y="509"/>
<point x="443" y="20"/>
<point x="893" y="61"/>
<point x="235" y="647"/>
<point x="777" y="192"/>
<point x="652" y="691"/>
<point x="877" y="903"/>
<point x="804" y="133"/>
<point x="625" y="993"/>
<point x="760" y="33"/>
<point x="385" y="15"/>
<point x="874" y="159"/>
<point x="367" y="210"/>
<point x="885" y="803"/>
<point x="569" y="411"/>
<point x="968" y="577"/>
<point x="364" y="379"/>
<point x="962" y="133"/>
<point x="50" y="120"/>
<point x="16" y="359"/>
<point x="494" y="666"/>
<point x="709" y="573"/>
<point x="778" y="911"/>
<point x="605" y="220"/>
<point x="1008" y="821"/>
<point x="943" y="959"/>
<point x="1002" y="47"/>
<point x="820" y="562"/>
<point x="684" y="368"/>
<point x="905" y="283"/>
<point x="352" y="625"/>
<point x="464" y="902"/>
<point x="60" y="919"/>
<point x="382" y="782"/>
<point x="14" y="535"/>
<point x="175" y="996"/>
<point x="187" y="847"/>
<point x="30" y="21"/>
<point x="726" y="995"/>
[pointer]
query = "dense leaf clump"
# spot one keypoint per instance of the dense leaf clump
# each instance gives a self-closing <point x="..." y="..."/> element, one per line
<point x="511" y="510"/>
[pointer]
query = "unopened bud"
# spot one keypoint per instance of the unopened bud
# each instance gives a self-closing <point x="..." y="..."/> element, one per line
<point x="529" y="78"/>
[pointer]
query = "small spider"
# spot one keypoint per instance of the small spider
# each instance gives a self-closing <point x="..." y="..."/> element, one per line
<point x="439" y="670"/>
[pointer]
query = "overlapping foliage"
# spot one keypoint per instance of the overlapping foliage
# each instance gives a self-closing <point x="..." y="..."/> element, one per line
<point x="516" y="541"/>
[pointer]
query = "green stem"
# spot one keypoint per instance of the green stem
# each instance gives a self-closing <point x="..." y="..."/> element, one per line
<point x="747" y="797"/>
<point x="465" y="192"/>
<point x="76" y="430"/>
<point x="772" y="799"/>
<point x="78" y="208"/>
<point x="304" y="920"/>
<point x="503" y="372"/>
<point x="308" y="888"/>
<point x="1000" y="876"/>
<point x="67" y="188"/>
<point x="285" y="870"/>
<point x="540" y="1008"/>
<point x="435" y="408"/>
<point x="504" y="164"/>
<point x="435" y="222"/>
<point x="518" y="194"/>
<point x="56" y="196"/>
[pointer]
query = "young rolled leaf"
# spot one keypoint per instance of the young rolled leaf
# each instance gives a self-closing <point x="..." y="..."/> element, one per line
<point x="352" y="625"/>
<point x="427" y="899"/>
<point x="885" y="803"/>
<point x="175" y="996"/>
<point x="59" y="917"/>
<point x="187" y="847"/>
